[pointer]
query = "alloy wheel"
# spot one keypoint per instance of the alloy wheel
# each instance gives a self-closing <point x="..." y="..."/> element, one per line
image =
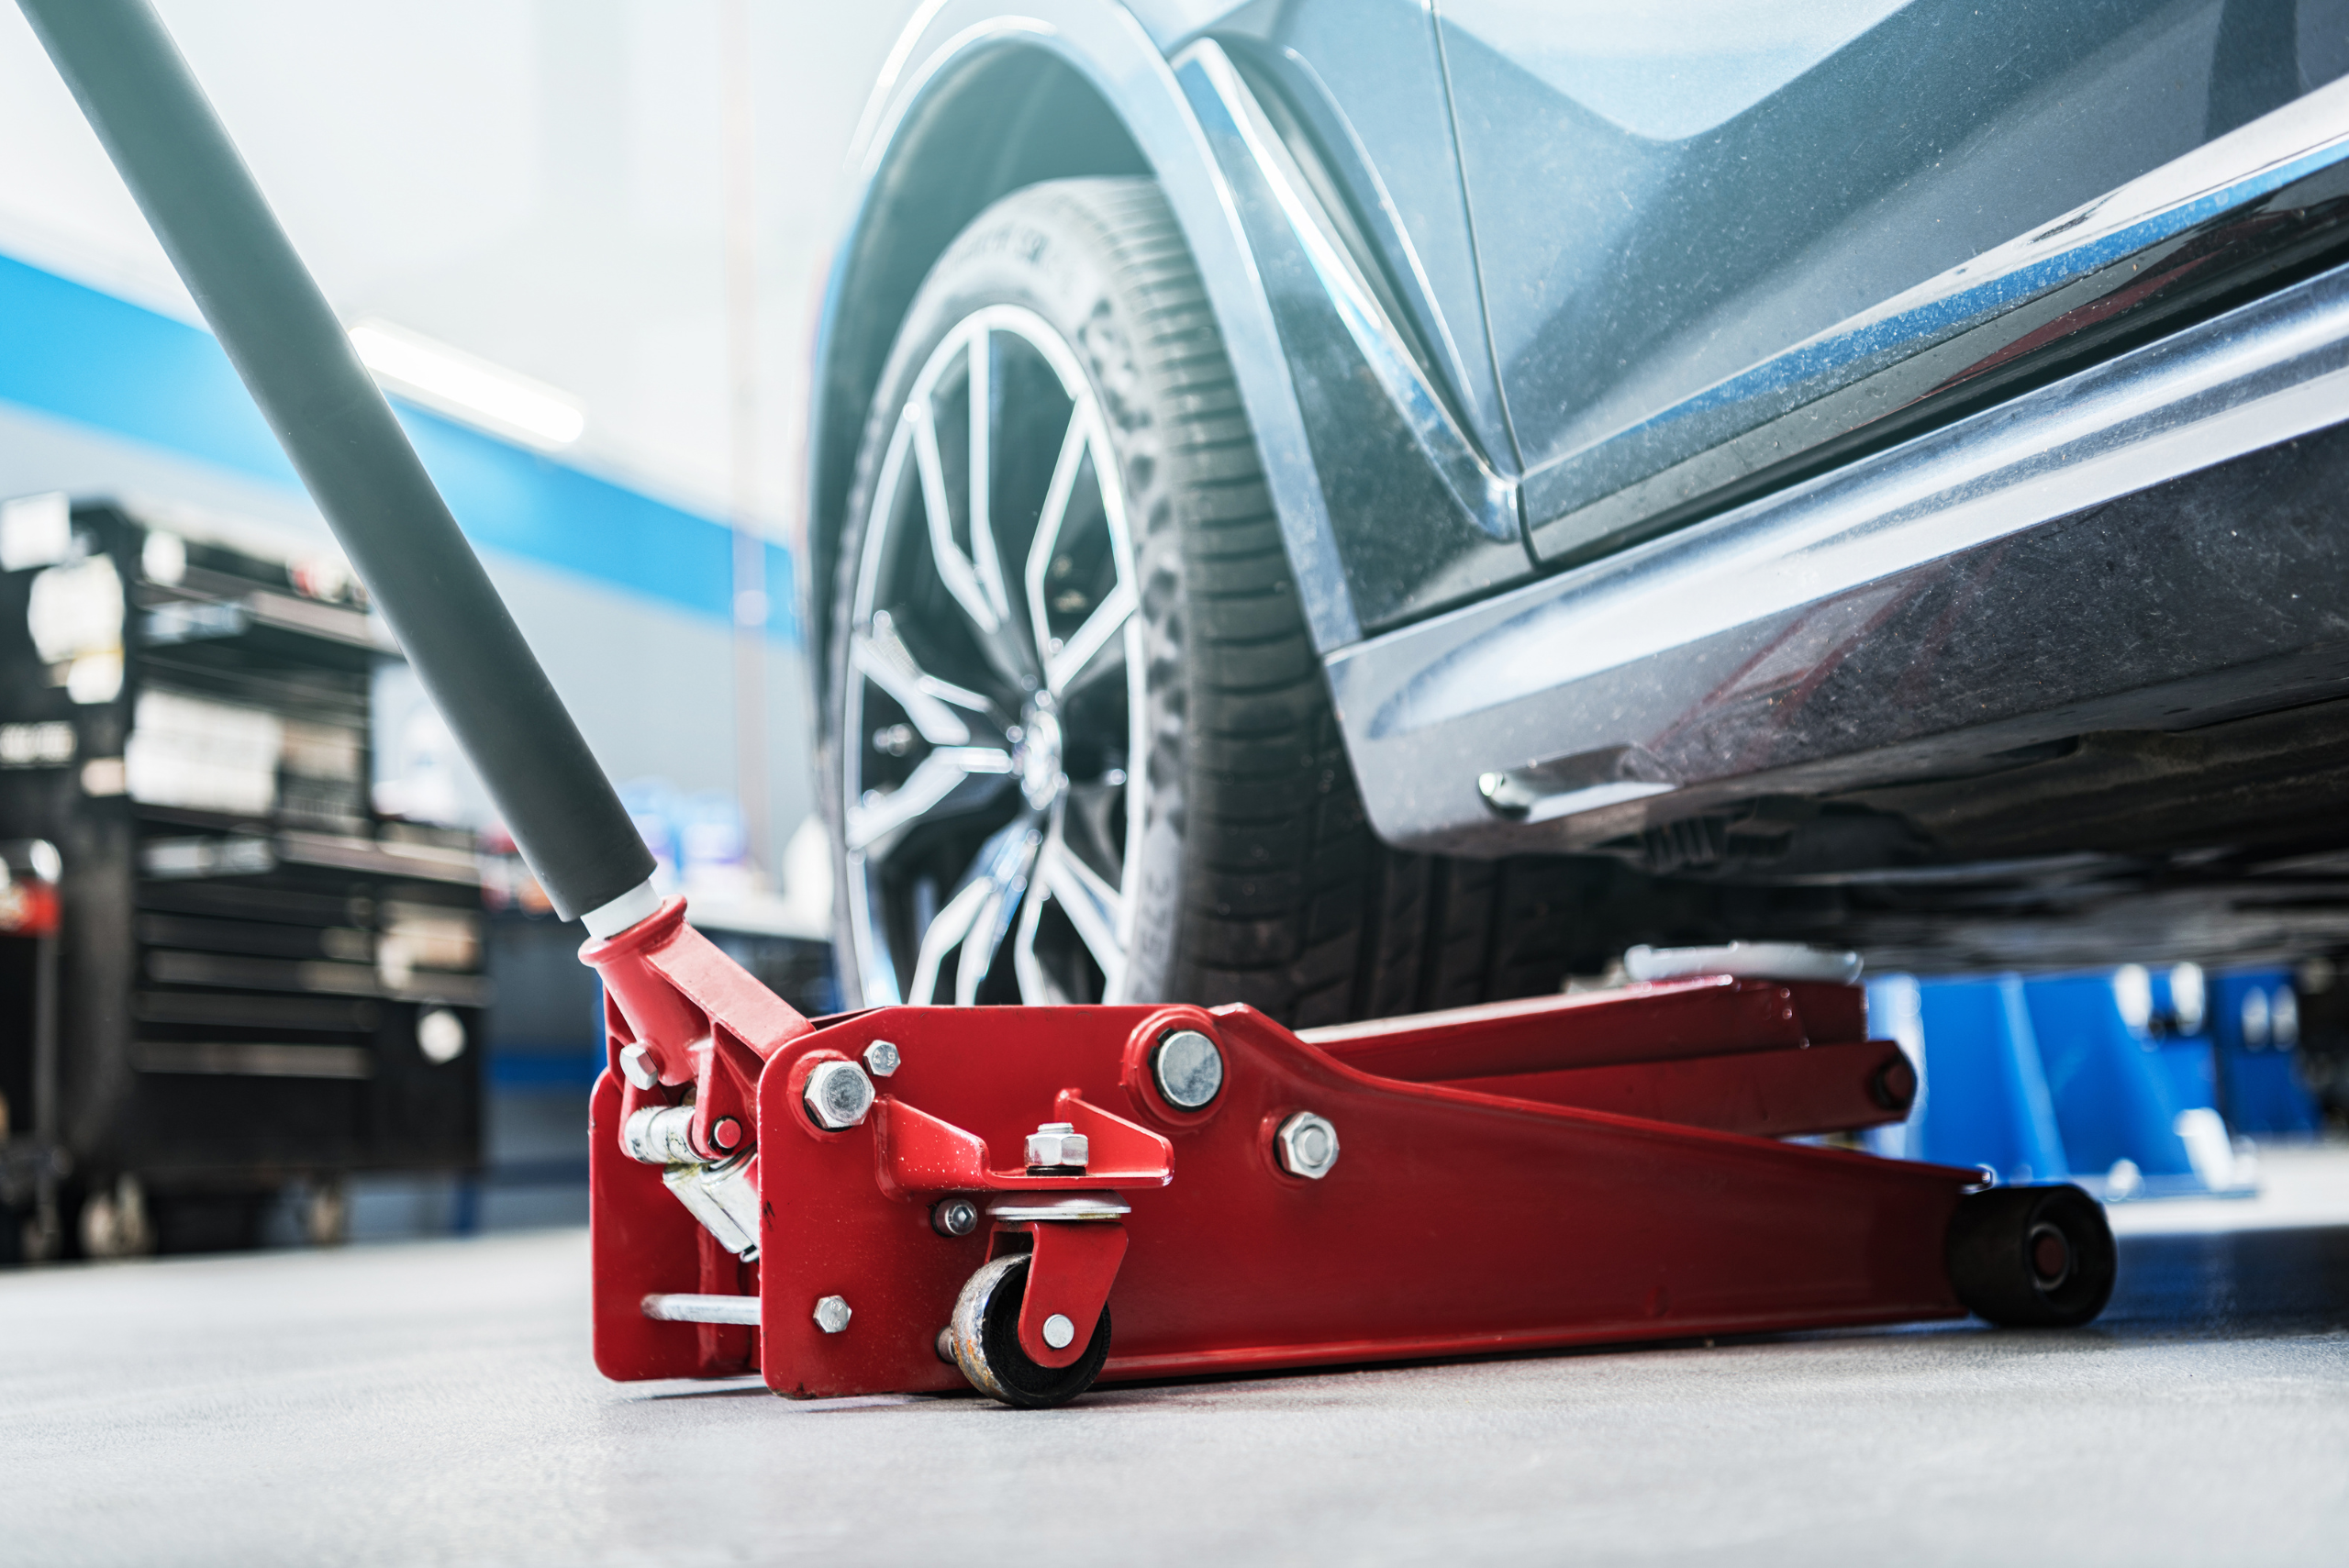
<point x="991" y="741"/>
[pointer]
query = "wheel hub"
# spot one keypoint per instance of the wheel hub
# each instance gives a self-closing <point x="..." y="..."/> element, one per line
<point x="1036" y="753"/>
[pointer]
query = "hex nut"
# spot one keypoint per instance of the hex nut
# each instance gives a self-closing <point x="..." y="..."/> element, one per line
<point x="881" y="1058"/>
<point x="1188" y="1069"/>
<point x="832" y="1314"/>
<point x="954" y="1216"/>
<point x="636" y="1066"/>
<point x="1058" y="1143"/>
<point x="837" y="1095"/>
<point x="1308" y="1146"/>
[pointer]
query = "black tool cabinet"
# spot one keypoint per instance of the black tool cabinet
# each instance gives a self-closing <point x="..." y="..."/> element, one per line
<point x="263" y="986"/>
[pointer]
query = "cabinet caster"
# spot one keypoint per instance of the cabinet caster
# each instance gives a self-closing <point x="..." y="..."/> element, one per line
<point x="984" y="1336"/>
<point x="2032" y="1257"/>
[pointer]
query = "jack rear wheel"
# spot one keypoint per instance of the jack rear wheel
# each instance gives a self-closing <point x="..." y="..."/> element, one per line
<point x="2032" y="1257"/>
<point x="984" y="1336"/>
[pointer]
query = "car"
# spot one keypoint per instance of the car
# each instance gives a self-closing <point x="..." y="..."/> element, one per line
<point x="1358" y="506"/>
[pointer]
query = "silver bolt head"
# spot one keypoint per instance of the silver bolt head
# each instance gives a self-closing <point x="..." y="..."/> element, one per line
<point x="837" y="1095"/>
<point x="636" y="1066"/>
<point x="1058" y="1143"/>
<point x="832" y="1314"/>
<point x="881" y="1058"/>
<point x="1308" y="1146"/>
<point x="1188" y="1068"/>
<point x="954" y="1216"/>
<point x="1059" y="1330"/>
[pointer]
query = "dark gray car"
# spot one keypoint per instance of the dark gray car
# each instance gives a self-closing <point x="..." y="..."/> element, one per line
<point x="1354" y="508"/>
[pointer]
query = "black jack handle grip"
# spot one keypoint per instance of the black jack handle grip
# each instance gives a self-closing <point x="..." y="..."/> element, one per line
<point x="294" y="358"/>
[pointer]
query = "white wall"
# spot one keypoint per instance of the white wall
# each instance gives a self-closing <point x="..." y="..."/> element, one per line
<point x="537" y="182"/>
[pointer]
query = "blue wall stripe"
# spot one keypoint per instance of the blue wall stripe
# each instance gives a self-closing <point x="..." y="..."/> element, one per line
<point x="80" y="354"/>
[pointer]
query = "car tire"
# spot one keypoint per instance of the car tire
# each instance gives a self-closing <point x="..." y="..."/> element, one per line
<point x="1204" y="840"/>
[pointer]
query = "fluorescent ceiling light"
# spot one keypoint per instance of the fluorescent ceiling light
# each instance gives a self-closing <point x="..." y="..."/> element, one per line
<point x="472" y="389"/>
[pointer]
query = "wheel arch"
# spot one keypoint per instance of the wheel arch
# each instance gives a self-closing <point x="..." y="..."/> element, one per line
<point x="1093" y="96"/>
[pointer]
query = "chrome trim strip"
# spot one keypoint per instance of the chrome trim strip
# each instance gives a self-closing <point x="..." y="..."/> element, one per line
<point x="1492" y="689"/>
<point x="1824" y="388"/>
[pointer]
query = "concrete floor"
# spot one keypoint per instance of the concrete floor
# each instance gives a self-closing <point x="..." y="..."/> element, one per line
<point x="433" y="1403"/>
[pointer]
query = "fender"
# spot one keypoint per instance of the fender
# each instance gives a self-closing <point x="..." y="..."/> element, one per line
<point x="1109" y="48"/>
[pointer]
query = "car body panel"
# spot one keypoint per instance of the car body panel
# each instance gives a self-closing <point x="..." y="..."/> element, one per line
<point x="1419" y="518"/>
<point x="2007" y="420"/>
<point x="1777" y="649"/>
<point x="1367" y="78"/>
<point x="1693" y="215"/>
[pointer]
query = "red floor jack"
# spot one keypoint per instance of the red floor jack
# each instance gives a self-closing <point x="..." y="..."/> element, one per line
<point x="909" y="1197"/>
<point x="914" y="1198"/>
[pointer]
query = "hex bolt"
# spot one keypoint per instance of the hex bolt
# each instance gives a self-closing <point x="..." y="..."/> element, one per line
<point x="1188" y="1069"/>
<point x="954" y="1216"/>
<point x="837" y="1095"/>
<point x="1307" y="1145"/>
<point x="1059" y="1331"/>
<point x="881" y="1058"/>
<point x="636" y="1066"/>
<point x="1058" y="1144"/>
<point x="832" y="1314"/>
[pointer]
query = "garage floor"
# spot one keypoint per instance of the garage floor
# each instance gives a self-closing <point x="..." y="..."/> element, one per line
<point x="433" y="1402"/>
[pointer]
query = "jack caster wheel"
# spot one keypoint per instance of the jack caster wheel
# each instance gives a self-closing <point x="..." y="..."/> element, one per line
<point x="2032" y="1257"/>
<point x="984" y="1335"/>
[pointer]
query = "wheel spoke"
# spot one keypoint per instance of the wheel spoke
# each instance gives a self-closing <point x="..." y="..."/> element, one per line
<point x="1099" y="629"/>
<point x="1003" y="868"/>
<point x="983" y="555"/>
<point x="999" y="640"/>
<point x="954" y="568"/>
<point x="1073" y="442"/>
<point x="1093" y="907"/>
<point x="945" y="933"/>
<point x="932" y="780"/>
<point x="883" y="657"/>
<point x="1037" y="987"/>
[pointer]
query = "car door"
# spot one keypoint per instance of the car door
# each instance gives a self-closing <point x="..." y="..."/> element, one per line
<point x="1706" y="227"/>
